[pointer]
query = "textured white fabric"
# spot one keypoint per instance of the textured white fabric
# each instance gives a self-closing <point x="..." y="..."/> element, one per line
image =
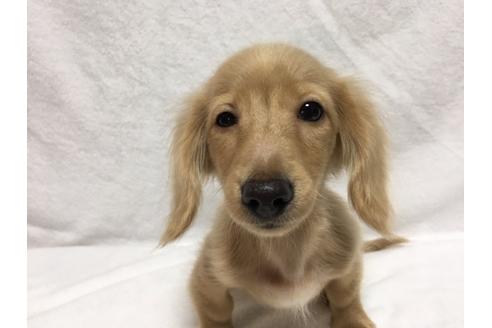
<point x="418" y="285"/>
<point x="105" y="81"/>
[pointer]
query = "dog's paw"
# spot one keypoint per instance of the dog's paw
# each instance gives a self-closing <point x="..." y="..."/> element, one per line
<point x="356" y="321"/>
<point x="217" y="326"/>
<point x="353" y="324"/>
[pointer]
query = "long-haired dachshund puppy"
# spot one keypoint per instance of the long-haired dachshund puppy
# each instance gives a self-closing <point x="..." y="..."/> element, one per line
<point x="272" y="125"/>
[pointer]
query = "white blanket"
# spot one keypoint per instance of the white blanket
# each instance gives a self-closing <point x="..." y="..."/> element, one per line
<point x="105" y="81"/>
<point x="418" y="285"/>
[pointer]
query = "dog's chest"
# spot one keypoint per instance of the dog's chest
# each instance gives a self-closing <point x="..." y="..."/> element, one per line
<point x="279" y="287"/>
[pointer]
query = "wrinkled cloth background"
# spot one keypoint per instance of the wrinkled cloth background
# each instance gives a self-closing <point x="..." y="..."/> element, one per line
<point x="105" y="81"/>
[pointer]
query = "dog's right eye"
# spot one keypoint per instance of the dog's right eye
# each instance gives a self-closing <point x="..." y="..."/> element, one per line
<point x="226" y="119"/>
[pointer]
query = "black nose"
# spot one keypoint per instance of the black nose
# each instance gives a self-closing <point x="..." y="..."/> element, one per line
<point x="267" y="199"/>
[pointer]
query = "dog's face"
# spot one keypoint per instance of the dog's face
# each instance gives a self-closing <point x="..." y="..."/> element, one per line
<point x="271" y="124"/>
<point x="270" y="136"/>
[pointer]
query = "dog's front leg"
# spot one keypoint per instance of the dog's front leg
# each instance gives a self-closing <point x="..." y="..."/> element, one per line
<point x="344" y="298"/>
<point x="212" y="300"/>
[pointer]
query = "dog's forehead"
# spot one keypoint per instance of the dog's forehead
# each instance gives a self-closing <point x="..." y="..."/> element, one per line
<point x="267" y="68"/>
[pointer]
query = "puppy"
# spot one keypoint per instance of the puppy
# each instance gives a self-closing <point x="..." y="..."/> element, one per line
<point x="272" y="125"/>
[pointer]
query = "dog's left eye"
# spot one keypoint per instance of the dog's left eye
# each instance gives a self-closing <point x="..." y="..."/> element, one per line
<point x="310" y="111"/>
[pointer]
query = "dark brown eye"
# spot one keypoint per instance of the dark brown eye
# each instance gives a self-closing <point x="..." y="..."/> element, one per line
<point x="226" y="119"/>
<point x="310" y="111"/>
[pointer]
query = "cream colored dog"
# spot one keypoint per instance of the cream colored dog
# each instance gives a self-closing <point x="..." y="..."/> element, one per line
<point x="272" y="125"/>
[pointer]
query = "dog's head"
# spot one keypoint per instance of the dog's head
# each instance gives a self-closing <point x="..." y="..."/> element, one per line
<point x="271" y="125"/>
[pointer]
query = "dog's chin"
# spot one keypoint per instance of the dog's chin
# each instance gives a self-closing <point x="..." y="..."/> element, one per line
<point x="276" y="227"/>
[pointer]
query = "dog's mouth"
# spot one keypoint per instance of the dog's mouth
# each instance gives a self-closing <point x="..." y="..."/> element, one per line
<point x="270" y="225"/>
<point x="270" y="207"/>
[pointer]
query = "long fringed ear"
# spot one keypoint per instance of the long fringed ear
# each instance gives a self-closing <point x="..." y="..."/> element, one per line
<point x="361" y="149"/>
<point x="189" y="166"/>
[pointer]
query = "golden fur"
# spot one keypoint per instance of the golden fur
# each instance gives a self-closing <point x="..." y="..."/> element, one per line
<point x="318" y="248"/>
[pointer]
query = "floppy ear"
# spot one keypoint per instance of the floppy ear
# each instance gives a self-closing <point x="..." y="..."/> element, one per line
<point x="189" y="166"/>
<point x="361" y="149"/>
